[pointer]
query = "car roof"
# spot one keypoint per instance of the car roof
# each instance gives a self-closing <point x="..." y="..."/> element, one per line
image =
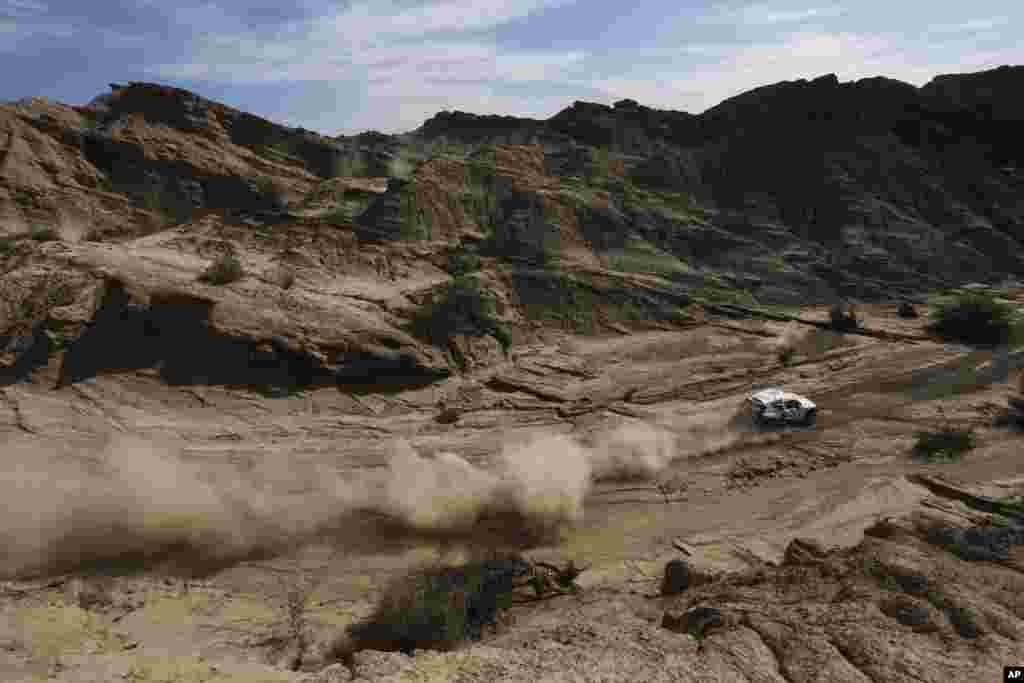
<point x="775" y="394"/>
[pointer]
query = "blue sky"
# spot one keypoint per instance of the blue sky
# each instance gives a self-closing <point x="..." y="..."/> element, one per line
<point x="344" y="66"/>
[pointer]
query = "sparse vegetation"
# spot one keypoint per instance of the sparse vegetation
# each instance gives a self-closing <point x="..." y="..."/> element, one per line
<point x="825" y="340"/>
<point x="58" y="296"/>
<point x="7" y="246"/>
<point x="272" y="193"/>
<point x="43" y="233"/>
<point x="640" y="256"/>
<point x="776" y="263"/>
<point x="462" y="259"/>
<point x="152" y="201"/>
<point x="338" y="217"/>
<point x="351" y="167"/>
<point x="438" y="607"/>
<point x="513" y="243"/>
<point x="415" y="222"/>
<point x="599" y="167"/>
<point x="576" y="192"/>
<point x="24" y="310"/>
<point x="273" y="152"/>
<point x="715" y="292"/>
<point x="936" y="599"/>
<point x="874" y="569"/>
<point x="55" y="335"/>
<point x="266" y="185"/>
<point x="24" y="199"/>
<point x="104" y="184"/>
<point x="402" y="165"/>
<point x="90" y="117"/>
<point x="973" y="318"/>
<point x="224" y="270"/>
<point x="460" y="307"/>
<point x="946" y="445"/>
<point x="679" y="204"/>
<point x="787" y="357"/>
<point x="294" y="594"/>
<point x="669" y="487"/>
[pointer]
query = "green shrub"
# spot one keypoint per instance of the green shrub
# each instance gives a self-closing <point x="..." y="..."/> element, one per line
<point x="439" y="607"/>
<point x="43" y="233"/>
<point x="719" y="294"/>
<point x="696" y="631"/>
<point x="945" y="445"/>
<point x="787" y="357"/>
<point x="56" y="336"/>
<point x="338" y="217"/>
<point x="265" y="185"/>
<point x="104" y="184"/>
<point x="24" y="199"/>
<point x="351" y="167"/>
<point x="936" y="599"/>
<point x="224" y="270"/>
<point x="824" y="340"/>
<point x="462" y="260"/>
<point x="640" y="256"/>
<point x="973" y="318"/>
<point x="401" y="166"/>
<point x="7" y="246"/>
<point x="874" y="569"/>
<point x="775" y="263"/>
<point x="24" y="310"/>
<point x="1014" y="502"/>
<point x="460" y="307"/>
<point x="58" y="296"/>
<point x="503" y="337"/>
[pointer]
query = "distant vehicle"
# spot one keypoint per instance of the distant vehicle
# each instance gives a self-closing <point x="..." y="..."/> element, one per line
<point x="773" y="405"/>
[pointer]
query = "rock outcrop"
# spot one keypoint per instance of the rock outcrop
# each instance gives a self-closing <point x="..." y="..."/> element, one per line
<point x="597" y="217"/>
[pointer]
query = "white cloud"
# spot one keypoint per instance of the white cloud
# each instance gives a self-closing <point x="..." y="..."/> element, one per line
<point x="374" y="42"/>
<point x="765" y="14"/>
<point x="802" y="55"/>
<point x="386" y="21"/>
<point x="398" y="110"/>
<point x="414" y="61"/>
<point x="972" y="26"/>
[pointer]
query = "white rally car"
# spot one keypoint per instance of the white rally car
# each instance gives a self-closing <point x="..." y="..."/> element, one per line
<point x="775" y="405"/>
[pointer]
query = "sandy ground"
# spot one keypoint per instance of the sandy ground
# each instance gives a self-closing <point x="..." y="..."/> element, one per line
<point x="123" y="463"/>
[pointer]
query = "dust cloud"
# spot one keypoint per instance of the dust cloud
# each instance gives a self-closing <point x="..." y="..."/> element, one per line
<point x="147" y="503"/>
<point x="139" y="501"/>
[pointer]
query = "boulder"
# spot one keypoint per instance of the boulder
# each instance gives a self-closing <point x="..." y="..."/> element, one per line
<point x="906" y="310"/>
<point x="676" y="578"/>
<point x="913" y="616"/>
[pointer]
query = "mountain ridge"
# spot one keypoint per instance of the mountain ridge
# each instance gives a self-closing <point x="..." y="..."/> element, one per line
<point x="808" y="190"/>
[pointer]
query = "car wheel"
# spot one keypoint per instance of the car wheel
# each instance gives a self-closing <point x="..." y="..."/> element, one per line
<point x="810" y="417"/>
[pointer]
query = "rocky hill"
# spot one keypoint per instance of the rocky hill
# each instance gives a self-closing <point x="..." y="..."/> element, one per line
<point x="805" y="190"/>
